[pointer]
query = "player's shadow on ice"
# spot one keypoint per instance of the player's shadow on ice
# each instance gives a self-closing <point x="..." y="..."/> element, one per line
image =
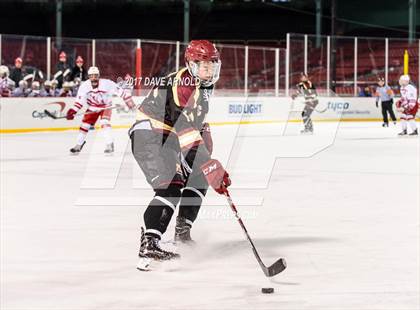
<point x="267" y="246"/>
<point x="290" y="241"/>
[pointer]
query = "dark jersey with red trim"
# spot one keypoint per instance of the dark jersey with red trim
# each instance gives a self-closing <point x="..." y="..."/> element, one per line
<point x="178" y="108"/>
<point x="307" y="89"/>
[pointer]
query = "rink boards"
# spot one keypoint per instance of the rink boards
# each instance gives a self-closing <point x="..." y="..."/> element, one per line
<point x="27" y="114"/>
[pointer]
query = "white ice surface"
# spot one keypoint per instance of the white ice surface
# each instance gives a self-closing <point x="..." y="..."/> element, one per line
<point x="346" y="219"/>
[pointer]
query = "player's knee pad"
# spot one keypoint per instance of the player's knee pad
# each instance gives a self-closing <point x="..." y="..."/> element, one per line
<point x="105" y="123"/>
<point x="160" y="210"/>
<point x="85" y="127"/>
<point x="194" y="193"/>
<point x="190" y="204"/>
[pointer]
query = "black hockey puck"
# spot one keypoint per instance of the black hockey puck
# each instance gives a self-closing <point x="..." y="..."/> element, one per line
<point x="267" y="290"/>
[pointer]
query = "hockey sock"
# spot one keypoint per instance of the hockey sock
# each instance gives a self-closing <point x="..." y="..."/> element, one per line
<point x="160" y="210"/>
<point x="403" y="124"/>
<point x="106" y="129"/>
<point x="81" y="137"/>
<point x="413" y="124"/>
<point x="190" y="203"/>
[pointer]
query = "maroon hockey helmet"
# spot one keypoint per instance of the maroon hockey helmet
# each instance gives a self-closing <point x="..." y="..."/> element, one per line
<point x="202" y="50"/>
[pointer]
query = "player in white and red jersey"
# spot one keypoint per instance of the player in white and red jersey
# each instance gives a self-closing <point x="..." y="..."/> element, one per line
<point x="5" y="82"/>
<point x="97" y="94"/>
<point x="407" y="106"/>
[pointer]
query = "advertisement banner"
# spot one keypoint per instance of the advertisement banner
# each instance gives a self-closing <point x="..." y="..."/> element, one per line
<point x="28" y="114"/>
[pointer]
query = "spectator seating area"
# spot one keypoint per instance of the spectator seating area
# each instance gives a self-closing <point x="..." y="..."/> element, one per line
<point x="117" y="58"/>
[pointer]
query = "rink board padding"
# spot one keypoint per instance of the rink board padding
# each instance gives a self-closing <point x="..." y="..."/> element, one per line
<point x="20" y="115"/>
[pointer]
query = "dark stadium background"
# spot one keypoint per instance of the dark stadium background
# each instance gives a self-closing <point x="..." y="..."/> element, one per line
<point x="222" y="20"/>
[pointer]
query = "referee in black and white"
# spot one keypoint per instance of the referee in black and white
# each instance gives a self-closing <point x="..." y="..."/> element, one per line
<point x="386" y="95"/>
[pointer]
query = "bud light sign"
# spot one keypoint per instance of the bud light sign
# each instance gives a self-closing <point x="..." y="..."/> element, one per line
<point x="245" y="108"/>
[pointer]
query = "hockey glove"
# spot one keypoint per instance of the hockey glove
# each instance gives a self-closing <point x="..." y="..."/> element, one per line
<point x="216" y="176"/>
<point x="70" y="114"/>
<point x="206" y="135"/>
<point x="130" y="104"/>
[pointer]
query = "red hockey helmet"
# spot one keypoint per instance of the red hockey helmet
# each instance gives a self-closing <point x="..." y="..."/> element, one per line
<point x="202" y="51"/>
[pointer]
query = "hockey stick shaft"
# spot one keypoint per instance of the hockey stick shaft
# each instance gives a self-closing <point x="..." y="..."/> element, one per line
<point x="308" y="102"/>
<point x="78" y="114"/>
<point x="274" y="269"/>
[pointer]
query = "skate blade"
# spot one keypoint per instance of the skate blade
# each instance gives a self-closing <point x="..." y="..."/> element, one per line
<point x="148" y="264"/>
<point x="144" y="264"/>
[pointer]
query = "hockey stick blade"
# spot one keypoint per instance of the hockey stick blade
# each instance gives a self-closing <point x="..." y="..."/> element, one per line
<point x="279" y="266"/>
<point x="321" y="110"/>
<point x="52" y="115"/>
<point x="275" y="268"/>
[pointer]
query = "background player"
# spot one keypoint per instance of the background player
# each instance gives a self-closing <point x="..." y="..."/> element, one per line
<point x="386" y="95"/>
<point x="307" y="89"/>
<point x="5" y="82"/>
<point x="97" y="94"/>
<point x="407" y="106"/>
<point x="170" y="122"/>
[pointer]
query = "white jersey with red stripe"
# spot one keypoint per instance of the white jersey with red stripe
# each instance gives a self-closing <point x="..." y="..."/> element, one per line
<point x="4" y="87"/>
<point x="408" y="96"/>
<point x="100" y="97"/>
<point x="408" y="104"/>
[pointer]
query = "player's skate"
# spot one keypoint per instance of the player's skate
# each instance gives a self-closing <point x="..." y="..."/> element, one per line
<point x="76" y="149"/>
<point x="414" y="133"/>
<point x="151" y="251"/>
<point x="307" y="131"/>
<point x="109" y="149"/>
<point x="403" y="133"/>
<point x="183" y="231"/>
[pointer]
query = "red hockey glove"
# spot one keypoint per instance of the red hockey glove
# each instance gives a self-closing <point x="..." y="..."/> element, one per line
<point x="70" y="114"/>
<point x="216" y="176"/>
<point x="206" y="135"/>
<point x="398" y="104"/>
<point x="130" y="104"/>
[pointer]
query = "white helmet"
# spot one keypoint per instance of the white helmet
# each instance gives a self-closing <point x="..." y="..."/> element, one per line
<point x="68" y="85"/>
<point x="23" y="84"/>
<point x="35" y="85"/>
<point x="404" y="79"/>
<point x="4" y="71"/>
<point x="93" y="70"/>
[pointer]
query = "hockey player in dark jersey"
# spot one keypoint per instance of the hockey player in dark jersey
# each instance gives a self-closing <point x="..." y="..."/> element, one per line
<point x="307" y="89"/>
<point x="172" y="145"/>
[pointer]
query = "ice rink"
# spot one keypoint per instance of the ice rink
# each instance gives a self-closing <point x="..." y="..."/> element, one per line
<point x="342" y="206"/>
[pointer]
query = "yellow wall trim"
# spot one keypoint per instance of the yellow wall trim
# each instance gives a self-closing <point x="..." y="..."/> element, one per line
<point x="26" y="130"/>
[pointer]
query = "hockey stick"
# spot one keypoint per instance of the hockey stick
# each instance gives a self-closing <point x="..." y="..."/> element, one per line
<point x="270" y="271"/>
<point x="53" y="116"/>
<point x="316" y="108"/>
